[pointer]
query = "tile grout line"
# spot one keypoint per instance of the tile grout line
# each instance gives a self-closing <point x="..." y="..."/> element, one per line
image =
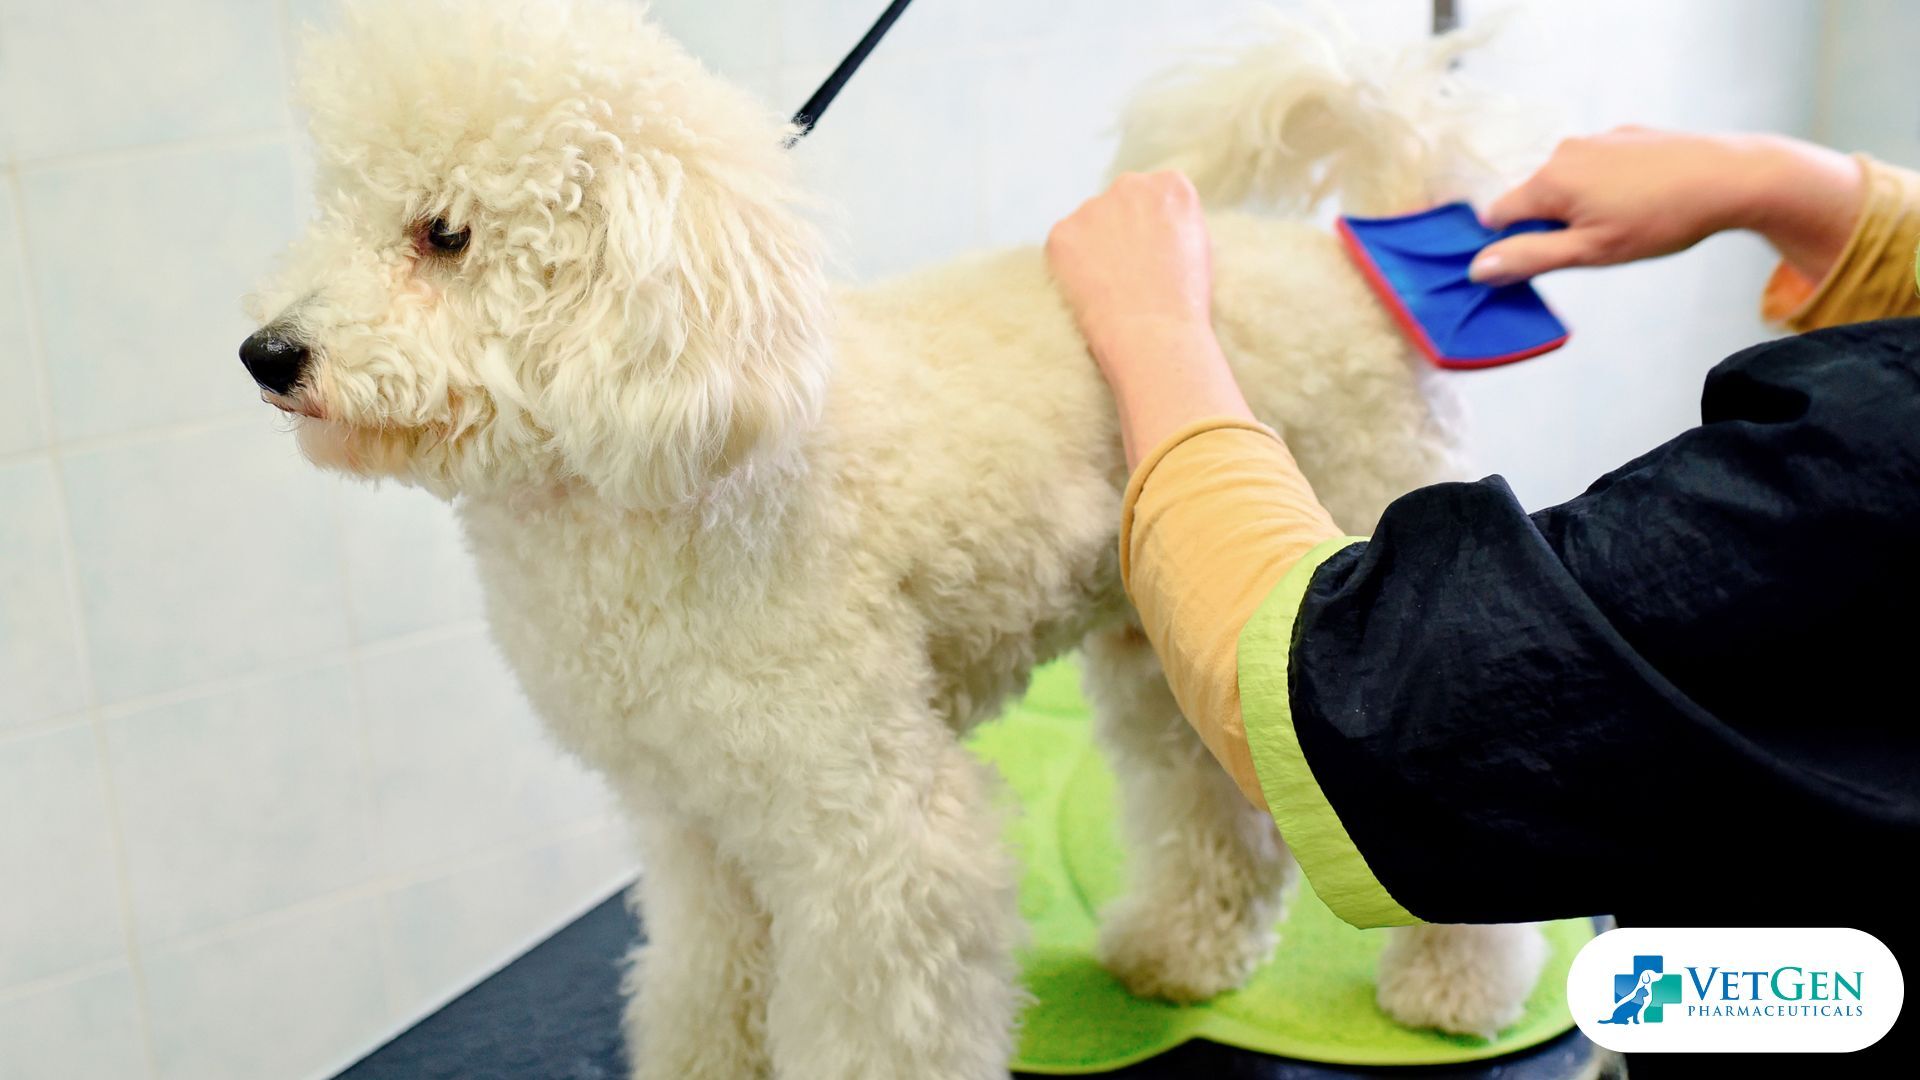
<point x="1825" y="56"/>
<point x="259" y="676"/>
<point x="134" y="438"/>
<point x="83" y="645"/>
<point x="72" y="976"/>
<point x="356" y="680"/>
<point x="28" y="297"/>
<point x="283" y="17"/>
<point x="974" y="101"/>
<point x="385" y="883"/>
<point x="122" y="862"/>
<point x="356" y="683"/>
<point x="358" y="702"/>
<point x="66" y="721"/>
<point x="142" y="997"/>
<point x="367" y="890"/>
<point x="138" y="152"/>
<point x="54" y="446"/>
<point x="616" y="885"/>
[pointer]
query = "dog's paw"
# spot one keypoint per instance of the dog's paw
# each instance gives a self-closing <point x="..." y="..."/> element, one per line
<point x="722" y="1063"/>
<point x="1466" y="980"/>
<point x="1180" y="955"/>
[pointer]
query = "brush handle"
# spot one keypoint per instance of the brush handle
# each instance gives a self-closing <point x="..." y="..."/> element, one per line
<point x="1531" y="225"/>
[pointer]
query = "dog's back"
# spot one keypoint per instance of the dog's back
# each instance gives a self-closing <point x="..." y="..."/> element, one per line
<point x="972" y="431"/>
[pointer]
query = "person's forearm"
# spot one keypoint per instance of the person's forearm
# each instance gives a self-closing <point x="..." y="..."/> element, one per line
<point x="1164" y="376"/>
<point x="1865" y="274"/>
<point x="1801" y="198"/>
<point x="1216" y="514"/>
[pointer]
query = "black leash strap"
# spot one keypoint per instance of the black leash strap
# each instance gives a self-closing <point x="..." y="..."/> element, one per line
<point x="816" y="105"/>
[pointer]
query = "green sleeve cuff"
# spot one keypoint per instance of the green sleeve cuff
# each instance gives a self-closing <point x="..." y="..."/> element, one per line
<point x="1307" y="821"/>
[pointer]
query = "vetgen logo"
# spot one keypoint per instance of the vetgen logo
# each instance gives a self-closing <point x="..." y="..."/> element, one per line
<point x="1729" y="990"/>
<point x="1643" y="992"/>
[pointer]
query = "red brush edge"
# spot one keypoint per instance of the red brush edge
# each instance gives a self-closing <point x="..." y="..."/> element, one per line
<point x="1416" y="333"/>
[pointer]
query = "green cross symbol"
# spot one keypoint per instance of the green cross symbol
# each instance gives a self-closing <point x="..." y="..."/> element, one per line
<point x="1666" y="991"/>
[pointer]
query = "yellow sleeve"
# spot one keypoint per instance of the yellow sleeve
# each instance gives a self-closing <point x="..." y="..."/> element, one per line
<point x="1220" y="535"/>
<point x="1874" y="276"/>
<point x="1213" y="519"/>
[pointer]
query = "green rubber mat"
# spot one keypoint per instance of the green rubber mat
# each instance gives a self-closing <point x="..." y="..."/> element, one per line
<point x="1312" y="1001"/>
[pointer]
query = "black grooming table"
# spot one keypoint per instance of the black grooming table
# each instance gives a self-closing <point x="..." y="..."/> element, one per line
<point x="554" y="1014"/>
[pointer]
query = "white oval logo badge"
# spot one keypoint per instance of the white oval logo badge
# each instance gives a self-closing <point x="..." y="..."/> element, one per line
<point x="1735" y="990"/>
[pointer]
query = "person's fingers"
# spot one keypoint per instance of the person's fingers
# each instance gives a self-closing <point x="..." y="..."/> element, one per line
<point x="1531" y="199"/>
<point x="1518" y="258"/>
<point x="1178" y="187"/>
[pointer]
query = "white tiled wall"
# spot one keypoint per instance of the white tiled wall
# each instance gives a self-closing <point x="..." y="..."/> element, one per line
<point x="265" y="792"/>
<point x="1868" y="98"/>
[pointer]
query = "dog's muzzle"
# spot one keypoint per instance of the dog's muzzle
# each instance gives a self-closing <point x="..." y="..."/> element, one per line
<point x="276" y="359"/>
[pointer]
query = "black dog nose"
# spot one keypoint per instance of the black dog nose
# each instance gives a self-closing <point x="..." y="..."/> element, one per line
<point x="275" y="359"/>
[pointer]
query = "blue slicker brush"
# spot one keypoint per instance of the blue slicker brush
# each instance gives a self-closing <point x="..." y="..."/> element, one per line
<point x="1418" y="263"/>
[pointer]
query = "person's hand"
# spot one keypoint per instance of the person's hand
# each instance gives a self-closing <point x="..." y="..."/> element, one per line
<point x="1135" y="265"/>
<point x="1635" y="193"/>
<point x="1135" y="262"/>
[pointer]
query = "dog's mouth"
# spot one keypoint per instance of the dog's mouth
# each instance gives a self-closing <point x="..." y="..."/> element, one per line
<point x="295" y="403"/>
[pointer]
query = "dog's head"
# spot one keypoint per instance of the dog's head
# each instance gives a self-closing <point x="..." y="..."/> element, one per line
<point x="550" y="249"/>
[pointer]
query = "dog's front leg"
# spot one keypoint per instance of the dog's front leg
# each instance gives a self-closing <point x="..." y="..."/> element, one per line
<point x="894" y="922"/>
<point x="697" y="1002"/>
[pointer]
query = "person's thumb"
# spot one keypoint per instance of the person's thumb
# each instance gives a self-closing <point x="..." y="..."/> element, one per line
<point x="1518" y="258"/>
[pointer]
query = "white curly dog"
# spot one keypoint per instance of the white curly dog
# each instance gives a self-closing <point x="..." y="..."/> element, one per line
<point x="760" y="549"/>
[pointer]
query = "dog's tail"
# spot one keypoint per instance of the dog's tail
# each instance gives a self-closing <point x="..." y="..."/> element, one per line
<point x="1303" y="113"/>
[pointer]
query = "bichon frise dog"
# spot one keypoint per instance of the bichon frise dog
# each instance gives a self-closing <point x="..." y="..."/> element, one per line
<point x="761" y="549"/>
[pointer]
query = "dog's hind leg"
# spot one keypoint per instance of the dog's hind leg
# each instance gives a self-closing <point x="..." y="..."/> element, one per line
<point x="894" y="919"/>
<point x="697" y="1008"/>
<point x="1468" y="980"/>
<point x="1207" y="871"/>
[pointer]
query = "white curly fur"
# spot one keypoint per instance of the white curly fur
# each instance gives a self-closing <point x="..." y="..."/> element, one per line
<point x="758" y="550"/>
<point x="1297" y="115"/>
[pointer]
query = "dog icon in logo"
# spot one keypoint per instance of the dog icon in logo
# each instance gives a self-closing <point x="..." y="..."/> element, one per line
<point x="1627" y="1009"/>
<point x="1639" y="996"/>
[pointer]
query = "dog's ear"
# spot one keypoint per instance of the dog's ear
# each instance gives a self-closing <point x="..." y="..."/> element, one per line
<point x="687" y="321"/>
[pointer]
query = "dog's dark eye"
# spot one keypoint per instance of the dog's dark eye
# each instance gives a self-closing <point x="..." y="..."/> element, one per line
<point x="446" y="239"/>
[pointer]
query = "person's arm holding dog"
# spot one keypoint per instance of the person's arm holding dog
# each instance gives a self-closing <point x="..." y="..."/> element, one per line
<point x="1465" y="692"/>
<point x="1199" y="551"/>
